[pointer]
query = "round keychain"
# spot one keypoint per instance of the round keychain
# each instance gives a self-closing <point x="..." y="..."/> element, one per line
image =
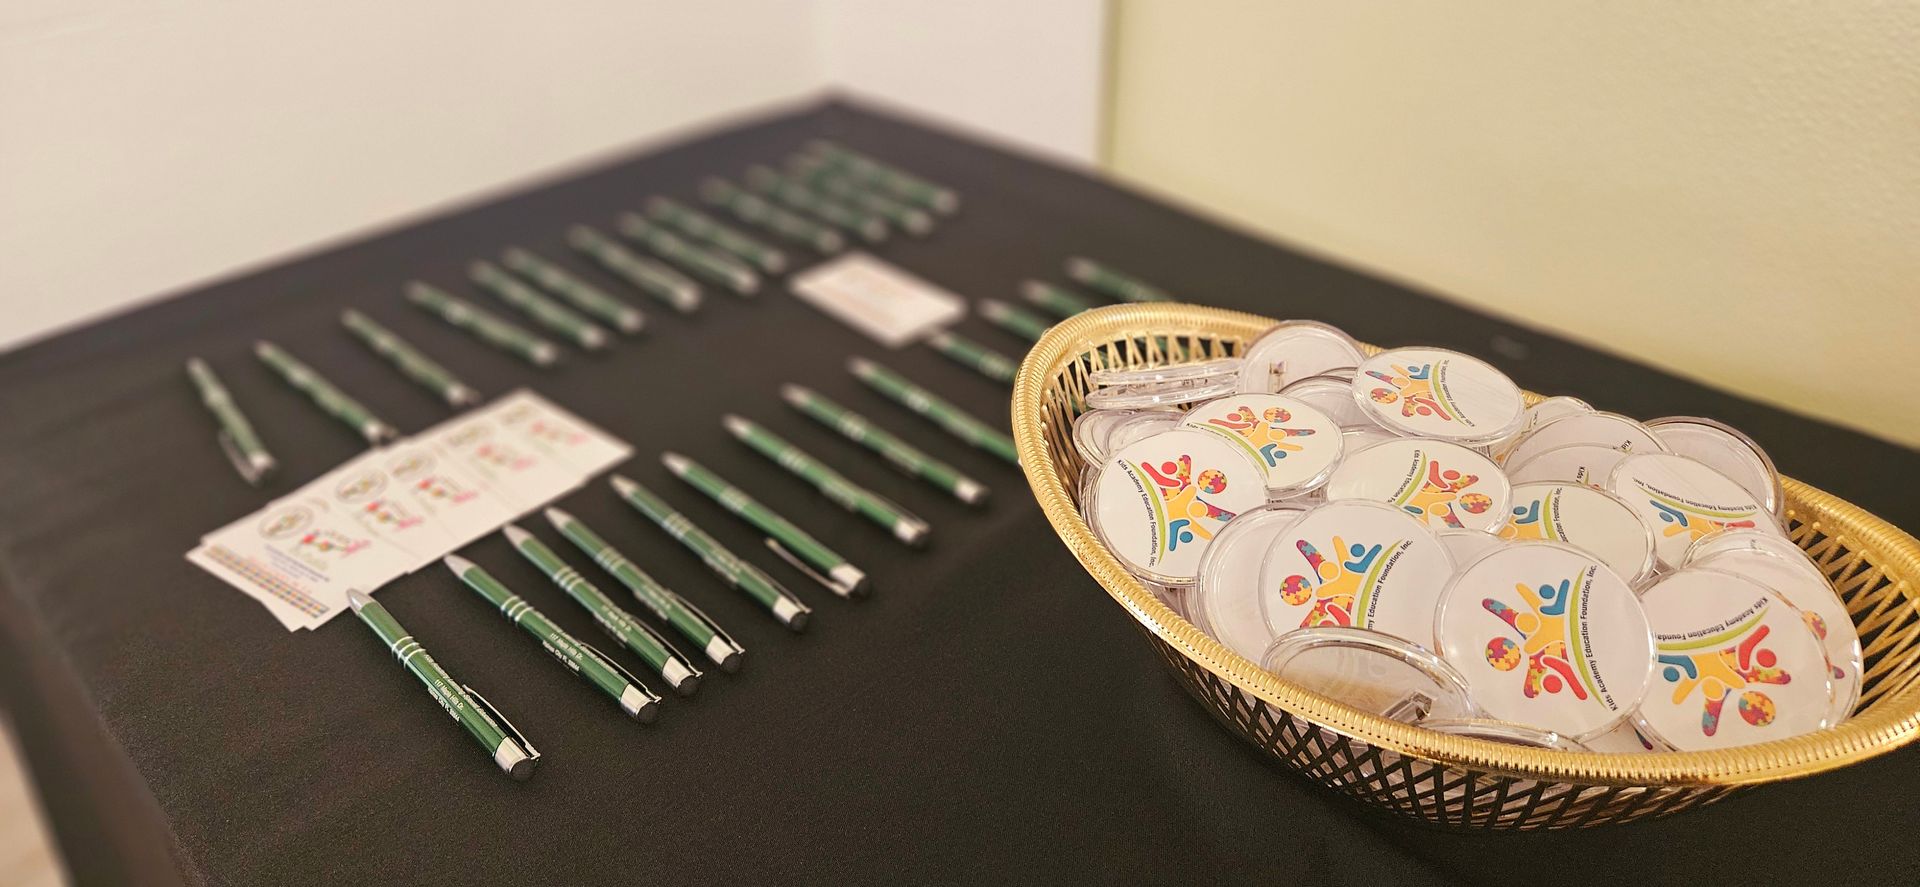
<point x="1432" y="392"/>
<point x="1799" y="583"/>
<point x="1726" y="450"/>
<point x="1294" y="350"/>
<point x="1610" y="430"/>
<point x="1355" y="564"/>
<point x="1225" y="602"/>
<point x="1466" y="546"/>
<point x="1683" y="500"/>
<point x="1535" y="416"/>
<point x="1445" y="486"/>
<point x="1737" y="665"/>
<point x="1159" y="394"/>
<point x="1175" y="372"/>
<point x="1160" y="500"/>
<point x="1372" y="672"/>
<point x="1547" y="636"/>
<point x="1297" y="445"/>
<point x="1502" y="731"/>
<point x="1594" y="521"/>
<point x="1589" y="464"/>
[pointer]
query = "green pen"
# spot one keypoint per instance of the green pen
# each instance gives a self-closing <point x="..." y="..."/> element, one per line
<point x="975" y="356"/>
<point x="830" y="182"/>
<point x="484" y="325"/>
<point x="717" y="267"/>
<point x="700" y="226"/>
<point x="907" y="186"/>
<point x="646" y="275"/>
<point x="583" y="295"/>
<point x="1018" y="321"/>
<point x="954" y="420"/>
<point x="408" y="360"/>
<point x="1109" y="282"/>
<point x="1052" y="299"/>
<point x="765" y="180"/>
<point x="728" y="566"/>
<point x="669" y="607"/>
<point x="791" y="543"/>
<point x="510" y="749"/>
<point x="236" y="436"/>
<point x="753" y="210"/>
<point x="898" y="453"/>
<point x="329" y="399"/>
<point x="581" y="659"/>
<point x="544" y="311"/>
<point x="832" y="484"/>
<point x="643" y="641"/>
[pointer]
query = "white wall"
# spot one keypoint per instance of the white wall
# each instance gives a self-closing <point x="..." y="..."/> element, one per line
<point x="149" y="144"/>
<point x="1029" y="73"/>
<point x="1731" y="190"/>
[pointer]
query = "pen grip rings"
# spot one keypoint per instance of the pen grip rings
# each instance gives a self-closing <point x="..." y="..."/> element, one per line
<point x="1445" y="778"/>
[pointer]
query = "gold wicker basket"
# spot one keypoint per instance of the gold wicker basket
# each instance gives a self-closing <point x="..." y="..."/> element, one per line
<point x="1443" y="778"/>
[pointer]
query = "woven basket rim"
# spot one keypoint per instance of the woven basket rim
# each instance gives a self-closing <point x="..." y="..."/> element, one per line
<point x="1891" y="722"/>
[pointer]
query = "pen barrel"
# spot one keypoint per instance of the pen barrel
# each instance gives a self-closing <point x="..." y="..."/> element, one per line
<point x="609" y="616"/>
<point x="485" y="325"/>
<point x="408" y="360"/>
<point x="220" y="403"/>
<point x="956" y="421"/>
<point x="805" y="199"/>
<point x="440" y="685"/>
<point x="1053" y="299"/>
<point x="720" y="269"/>
<point x="330" y="399"/>
<point x="560" y="645"/>
<point x="843" y="188"/>
<point x="750" y="208"/>
<point x="579" y="293"/>
<point x="831" y="484"/>
<point x="1014" y="320"/>
<point x="765" y="519"/>
<point x="902" y="455"/>
<point x="737" y="573"/>
<point x="700" y="226"/>
<point x="908" y="186"/>
<point x="1113" y="283"/>
<point x="544" y="311"/>
<point x="664" y="604"/>
<point x="975" y="356"/>
<point x="649" y="277"/>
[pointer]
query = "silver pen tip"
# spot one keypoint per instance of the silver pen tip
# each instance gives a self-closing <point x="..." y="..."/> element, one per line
<point x="675" y="462"/>
<point x="357" y="599"/>
<point x="738" y="426"/>
<point x="557" y="517"/>
<point x="515" y="535"/>
<point x="795" y="394"/>
<point x="861" y="366"/>
<point x="622" y="484"/>
<point x="459" y="565"/>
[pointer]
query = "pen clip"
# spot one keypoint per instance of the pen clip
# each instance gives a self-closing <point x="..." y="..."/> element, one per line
<point x="796" y="563"/>
<point x="250" y="471"/>
<point x="533" y="754"/>
<point x="618" y="669"/>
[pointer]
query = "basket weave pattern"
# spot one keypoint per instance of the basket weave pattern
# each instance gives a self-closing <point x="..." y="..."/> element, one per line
<point x="1447" y="779"/>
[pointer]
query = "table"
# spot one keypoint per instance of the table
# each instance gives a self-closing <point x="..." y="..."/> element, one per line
<point x="988" y="715"/>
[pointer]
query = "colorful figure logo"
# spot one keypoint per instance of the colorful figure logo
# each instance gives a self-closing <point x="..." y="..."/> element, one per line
<point x="502" y="456"/>
<point x="1542" y="638"/>
<point x="1184" y="514"/>
<point x="434" y="486"/>
<point x="1526" y="523"/>
<point x="1266" y="434"/>
<point x="1694" y="522"/>
<point x="285" y="522"/>
<point x="1719" y="671"/>
<point x="1339" y="587"/>
<point x="1413" y="389"/>
<point x="1439" y="492"/>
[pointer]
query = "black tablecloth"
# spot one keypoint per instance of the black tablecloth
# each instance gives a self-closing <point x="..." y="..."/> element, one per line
<point x="988" y="714"/>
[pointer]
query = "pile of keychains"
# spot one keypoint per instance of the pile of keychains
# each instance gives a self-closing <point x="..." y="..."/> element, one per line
<point x="1403" y="533"/>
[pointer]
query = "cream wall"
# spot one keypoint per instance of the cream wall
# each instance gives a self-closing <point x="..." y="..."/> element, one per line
<point x="1731" y="190"/>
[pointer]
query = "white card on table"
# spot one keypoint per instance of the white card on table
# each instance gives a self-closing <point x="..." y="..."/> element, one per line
<point x="889" y="305"/>
<point x="522" y="475"/>
<point x="299" y="558"/>
<point x="546" y="427"/>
